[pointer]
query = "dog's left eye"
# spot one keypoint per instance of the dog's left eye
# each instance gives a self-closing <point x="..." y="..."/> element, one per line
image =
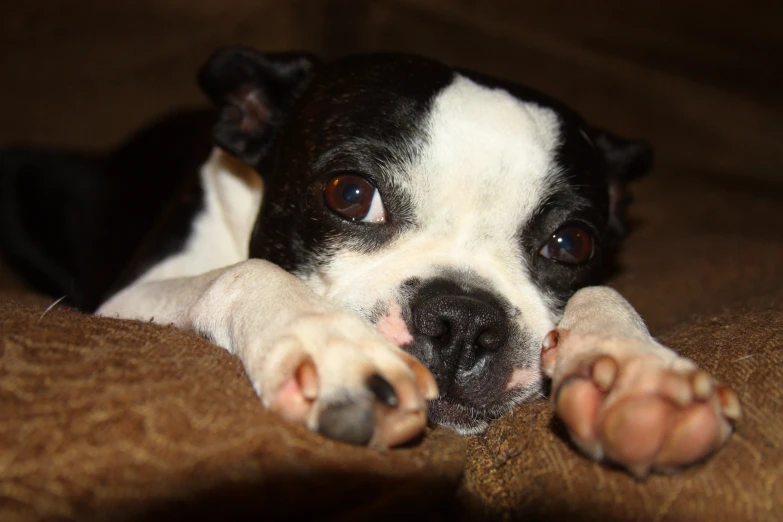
<point x="354" y="198"/>
<point x="571" y="244"/>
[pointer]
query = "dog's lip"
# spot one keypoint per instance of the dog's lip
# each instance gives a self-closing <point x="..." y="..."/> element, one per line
<point x="452" y="403"/>
<point x="463" y="418"/>
<point x="452" y="406"/>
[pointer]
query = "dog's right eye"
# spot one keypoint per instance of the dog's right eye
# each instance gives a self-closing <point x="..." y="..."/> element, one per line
<point x="354" y="198"/>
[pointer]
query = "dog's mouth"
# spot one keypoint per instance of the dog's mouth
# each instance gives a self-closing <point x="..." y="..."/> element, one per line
<point x="465" y="418"/>
<point x="461" y="418"/>
<point x="470" y="417"/>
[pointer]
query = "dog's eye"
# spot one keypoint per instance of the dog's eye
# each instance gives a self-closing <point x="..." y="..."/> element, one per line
<point x="572" y="245"/>
<point x="354" y="198"/>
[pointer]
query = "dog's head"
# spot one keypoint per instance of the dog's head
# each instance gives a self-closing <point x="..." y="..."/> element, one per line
<point x="455" y="211"/>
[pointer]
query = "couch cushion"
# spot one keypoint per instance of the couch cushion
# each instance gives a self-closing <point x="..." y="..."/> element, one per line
<point x="107" y="419"/>
<point x="524" y="466"/>
<point x="699" y="246"/>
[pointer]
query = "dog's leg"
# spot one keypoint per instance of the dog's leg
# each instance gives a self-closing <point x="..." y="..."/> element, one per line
<point x="624" y="397"/>
<point x="328" y="369"/>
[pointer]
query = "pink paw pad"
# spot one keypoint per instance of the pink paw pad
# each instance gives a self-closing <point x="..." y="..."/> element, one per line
<point x="613" y="412"/>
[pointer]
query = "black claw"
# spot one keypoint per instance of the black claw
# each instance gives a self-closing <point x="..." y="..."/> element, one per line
<point x="383" y="390"/>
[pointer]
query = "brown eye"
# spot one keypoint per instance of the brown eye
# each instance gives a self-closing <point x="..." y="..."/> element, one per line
<point x="572" y="245"/>
<point x="354" y="198"/>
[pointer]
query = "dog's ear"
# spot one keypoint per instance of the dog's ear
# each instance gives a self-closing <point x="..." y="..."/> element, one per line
<point x="253" y="93"/>
<point x="624" y="160"/>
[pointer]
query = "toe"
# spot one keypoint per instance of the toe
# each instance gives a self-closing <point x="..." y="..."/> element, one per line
<point x="401" y="411"/>
<point x="604" y="372"/>
<point x="289" y="402"/>
<point x="577" y="403"/>
<point x="702" y="385"/>
<point x="634" y="430"/>
<point x="694" y="435"/>
<point x="676" y="388"/>
<point x="350" y="421"/>
<point x="294" y="399"/>
<point x="398" y="427"/>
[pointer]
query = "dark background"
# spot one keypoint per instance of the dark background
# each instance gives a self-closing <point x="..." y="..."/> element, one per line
<point x="700" y="80"/>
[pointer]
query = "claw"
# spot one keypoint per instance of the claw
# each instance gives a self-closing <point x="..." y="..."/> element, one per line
<point x="730" y="403"/>
<point x="677" y="389"/>
<point x="702" y="385"/>
<point x="604" y="372"/>
<point x="382" y="389"/>
<point x="551" y="340"/>
<point x="307" y="378"/>
<point x="424" y="379"/>
<point x="549" y="352"/>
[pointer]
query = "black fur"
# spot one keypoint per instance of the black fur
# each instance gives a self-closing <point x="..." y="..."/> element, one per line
<point x="72" y="223"/>
<point x="253" y="93"/>
<point x="327" y="135"/>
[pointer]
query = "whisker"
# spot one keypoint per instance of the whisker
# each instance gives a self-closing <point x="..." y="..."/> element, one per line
<point x="48" y="308"/>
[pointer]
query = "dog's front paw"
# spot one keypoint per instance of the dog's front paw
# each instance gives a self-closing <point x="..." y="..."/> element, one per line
<point x="333" y="372"/>
<point x="643" y="409"/>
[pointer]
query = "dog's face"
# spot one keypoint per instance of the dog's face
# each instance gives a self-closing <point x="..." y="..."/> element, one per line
<point x="456" y="212"/>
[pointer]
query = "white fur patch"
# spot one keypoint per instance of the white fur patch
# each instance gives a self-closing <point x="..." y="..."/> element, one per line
<point x="221" y="232"/>
<point x="219" y="238"/>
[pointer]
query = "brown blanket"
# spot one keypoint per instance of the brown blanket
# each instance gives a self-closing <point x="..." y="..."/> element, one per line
<point x="106" y="419"/>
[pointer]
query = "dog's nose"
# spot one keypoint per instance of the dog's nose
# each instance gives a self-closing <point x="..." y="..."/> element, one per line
<point x="462" y="329"/>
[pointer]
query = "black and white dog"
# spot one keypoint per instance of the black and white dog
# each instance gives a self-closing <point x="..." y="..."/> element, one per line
<point x="424" y="237"/>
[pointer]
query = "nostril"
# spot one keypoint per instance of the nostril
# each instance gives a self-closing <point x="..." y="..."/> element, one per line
<point x="445" y="331"/>
<point x="434" y="327"/>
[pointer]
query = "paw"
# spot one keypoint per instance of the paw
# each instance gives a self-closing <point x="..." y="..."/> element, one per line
<point x="637" y="405"/>
<point x="334" y="373"/>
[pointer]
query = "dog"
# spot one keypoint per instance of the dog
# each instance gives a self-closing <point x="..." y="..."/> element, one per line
<point x="428" y="247"/>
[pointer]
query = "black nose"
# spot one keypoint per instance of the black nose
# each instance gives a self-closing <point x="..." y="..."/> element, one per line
<point x="462" y="329"/>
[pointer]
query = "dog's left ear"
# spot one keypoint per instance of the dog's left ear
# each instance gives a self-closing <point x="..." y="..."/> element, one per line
<point x="624" y="160"/>
<point x="253" y="92"/>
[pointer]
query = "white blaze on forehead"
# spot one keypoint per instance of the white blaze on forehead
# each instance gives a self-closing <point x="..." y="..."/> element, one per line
<point x="487" y="162"/>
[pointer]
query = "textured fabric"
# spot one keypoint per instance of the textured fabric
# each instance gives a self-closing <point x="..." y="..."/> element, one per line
<point x="523" y="465"/>
<point x="105" y="419"/>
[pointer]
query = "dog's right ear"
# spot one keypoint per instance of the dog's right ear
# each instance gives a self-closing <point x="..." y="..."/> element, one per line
<point x="624" y="160"/>
<point x="253" y="93"/>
